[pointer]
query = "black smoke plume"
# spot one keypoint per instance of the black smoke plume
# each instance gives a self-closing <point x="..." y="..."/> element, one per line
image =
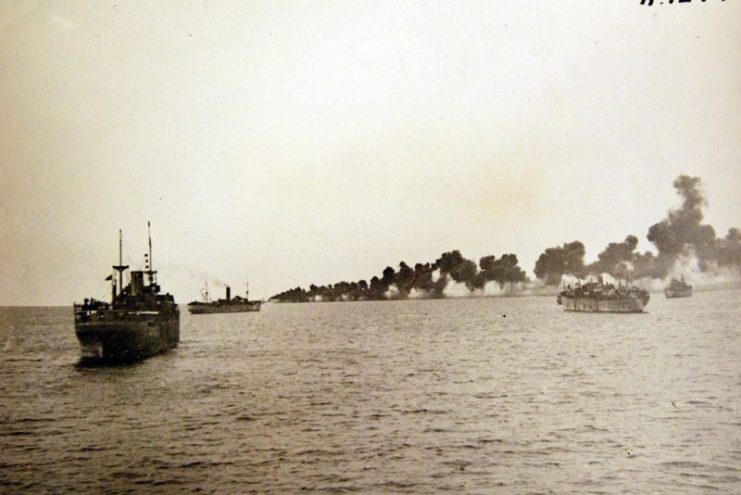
<point x="459" y="269"/>
<point x="617" y="258"/>
<point x="503" y="270"/>
<point x="683" y="229"/>
<point x="425" y="280"/>
<point x="558" y="261"/>
<point x="729" y="249"/>
<point x="681" y="233"/>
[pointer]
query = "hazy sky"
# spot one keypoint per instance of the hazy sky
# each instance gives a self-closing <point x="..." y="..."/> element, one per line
<point x="287" y="143"/>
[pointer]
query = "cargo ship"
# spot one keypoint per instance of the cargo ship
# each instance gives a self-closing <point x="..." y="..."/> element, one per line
<point x="598" y="297"/>
<point x="139" y="322"/>
<point x="678" y="288"/>
<point x="236" y="304"/>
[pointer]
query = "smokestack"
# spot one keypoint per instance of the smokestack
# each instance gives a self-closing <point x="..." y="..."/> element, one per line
<point x="228" y="293"/>
<point x="137" y="283"/>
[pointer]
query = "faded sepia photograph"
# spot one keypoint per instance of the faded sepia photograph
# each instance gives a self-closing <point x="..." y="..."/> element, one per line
<point x="388" y="247"/>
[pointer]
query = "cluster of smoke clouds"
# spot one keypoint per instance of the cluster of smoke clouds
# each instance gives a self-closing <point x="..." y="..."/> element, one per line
<point x="450" y="275"/>
<point x="685" y="246"/>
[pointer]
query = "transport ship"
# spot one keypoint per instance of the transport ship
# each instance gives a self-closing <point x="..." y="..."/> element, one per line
<point x="138" y="322"/>
<point x="229" y="304"/>
<point x="678" y="288"/>
<point x="598" y="297"/>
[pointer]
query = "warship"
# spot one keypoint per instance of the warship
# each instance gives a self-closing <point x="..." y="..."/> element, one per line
<point x="138" y="322"/>
<point x="236" y="304"/>
<point x="598" y="297"/>
<point x="678" y="288"/>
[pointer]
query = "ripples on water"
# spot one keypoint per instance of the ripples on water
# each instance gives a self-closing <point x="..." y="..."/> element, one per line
<point x="476" y="396"/>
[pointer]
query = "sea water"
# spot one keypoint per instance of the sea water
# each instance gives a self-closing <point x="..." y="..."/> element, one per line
<point x="490" y="395"/>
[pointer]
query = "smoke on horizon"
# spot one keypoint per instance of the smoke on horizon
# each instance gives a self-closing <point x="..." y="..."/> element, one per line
<point x="686" y="247"/>
<point x="451" y="275"/>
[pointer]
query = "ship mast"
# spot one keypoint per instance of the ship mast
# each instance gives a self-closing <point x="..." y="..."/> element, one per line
<point x="120" y="268"/>
<point x="204" y="292"/>
<point x="150" y="266"/>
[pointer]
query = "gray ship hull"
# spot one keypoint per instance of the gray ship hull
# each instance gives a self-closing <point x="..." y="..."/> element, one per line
<point x="123" y="336"/>
<point x="675" y="293"/>
<point x="598" y="305"/>
<point x="210" y="308"/>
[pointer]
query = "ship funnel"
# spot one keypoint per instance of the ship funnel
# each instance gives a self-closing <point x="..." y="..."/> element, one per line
<point x="228" y="293"/>
<point x="137" y="283"/>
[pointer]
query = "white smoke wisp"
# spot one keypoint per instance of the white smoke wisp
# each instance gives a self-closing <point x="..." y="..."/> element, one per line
<point x="492" y="288"/>
<point x="525" y="289"/>
<point x="435" y="275"/>
<point x="495" y="289"/>
<point x="571" y="280"/>
<point x="609" y="279"/>
<point x="418" y="294"/>
<point x="317" y="299"/>
<point x="538" y="287"/>
<point x="688" y="266"/>
<point x="456" y="289"/>
<point x="392" y="292"/>
<point x="650" y="284"/>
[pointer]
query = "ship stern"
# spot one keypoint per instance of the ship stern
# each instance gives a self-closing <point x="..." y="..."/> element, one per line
<point x="124" y="338"/>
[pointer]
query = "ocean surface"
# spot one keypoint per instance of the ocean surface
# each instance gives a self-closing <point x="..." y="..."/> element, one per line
<point x="495" y="395"/>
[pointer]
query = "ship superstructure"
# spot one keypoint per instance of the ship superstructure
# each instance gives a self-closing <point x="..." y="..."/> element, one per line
<point x="598" y="297"/>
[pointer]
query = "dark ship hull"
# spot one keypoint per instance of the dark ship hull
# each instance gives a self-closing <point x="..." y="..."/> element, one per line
<point x="113" y="336"/>
<point x="678" y="288"/>
<point x="626" y="304"/>
<point x="211" y="308"/>
<point x="674" y="293"/>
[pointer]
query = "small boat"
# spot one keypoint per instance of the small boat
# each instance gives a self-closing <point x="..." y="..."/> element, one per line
<point x="678" y="288"/>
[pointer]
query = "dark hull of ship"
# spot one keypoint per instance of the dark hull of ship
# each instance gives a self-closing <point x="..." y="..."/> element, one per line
<point x="126" y="337"/>
<point x="205" y="308"/>
<point x="674" y="293"/>
<point x="597" y="305"/>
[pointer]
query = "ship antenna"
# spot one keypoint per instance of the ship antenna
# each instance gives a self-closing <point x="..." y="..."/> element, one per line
<point x="120" y="255"/>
